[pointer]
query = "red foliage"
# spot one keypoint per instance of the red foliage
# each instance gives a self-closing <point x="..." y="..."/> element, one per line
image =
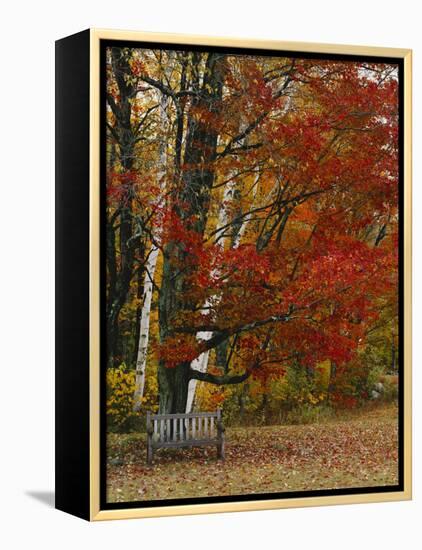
<point x="313" y="289"/>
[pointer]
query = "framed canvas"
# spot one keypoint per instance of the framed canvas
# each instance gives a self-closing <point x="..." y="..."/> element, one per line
<point x="233" y="274"/>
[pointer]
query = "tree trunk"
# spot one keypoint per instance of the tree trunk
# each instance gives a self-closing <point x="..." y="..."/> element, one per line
<point x="141" y="360"/>
<point x="173" y="384"/>
<point x="201" y="363"/>
<point x="333" y="373"/>
<point x="119" y="288"/>
<point x="242" y="401"/>
<point x="196" y="184"/>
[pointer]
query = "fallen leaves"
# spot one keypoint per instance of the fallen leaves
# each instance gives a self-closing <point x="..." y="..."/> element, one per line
<point x="358" y="451"/>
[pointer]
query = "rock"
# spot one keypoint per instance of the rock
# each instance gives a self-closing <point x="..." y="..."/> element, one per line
<point x="379" y="387"/>
<point x="375" y="394"/>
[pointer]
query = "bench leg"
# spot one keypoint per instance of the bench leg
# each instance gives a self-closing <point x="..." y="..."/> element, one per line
<point x="221" y="454"/>
<point x="149" y="452"/>
<point x="149" y="438"/>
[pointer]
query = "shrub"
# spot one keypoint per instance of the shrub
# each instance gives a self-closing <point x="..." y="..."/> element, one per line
<point x="391" y="387"/>
<point x="119" y="403"/>
<point x="302" y="387"/>
<point x="120" y="388"/>
<point x="308" y="414"/>
<point x="350" y="386"/>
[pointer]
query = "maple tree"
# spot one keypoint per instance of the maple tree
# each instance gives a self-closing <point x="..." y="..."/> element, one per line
<point x="301" y="158"/>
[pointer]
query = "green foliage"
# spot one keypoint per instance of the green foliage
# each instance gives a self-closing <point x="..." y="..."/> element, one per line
<point x="302" y="395"/>
<point x="391" y="388"/>
<point x="309" y="414"/>
<point x="374" y="375"/>
<point x="353" y="383"/>
<point x="302" y="387"/>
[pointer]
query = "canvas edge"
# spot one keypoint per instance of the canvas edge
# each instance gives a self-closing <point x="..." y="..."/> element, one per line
<point x="96" y="514"/>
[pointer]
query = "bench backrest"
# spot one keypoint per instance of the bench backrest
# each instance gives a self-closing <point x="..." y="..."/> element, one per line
<point x="183" y="427"/>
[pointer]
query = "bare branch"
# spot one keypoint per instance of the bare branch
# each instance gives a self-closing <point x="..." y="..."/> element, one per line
<point x="219" y="380"/>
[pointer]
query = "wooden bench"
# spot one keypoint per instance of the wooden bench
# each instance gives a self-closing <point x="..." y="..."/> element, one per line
<point x="184" y="430"/>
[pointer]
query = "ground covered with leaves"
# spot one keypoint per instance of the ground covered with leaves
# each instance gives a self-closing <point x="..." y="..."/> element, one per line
<point x="355" y="450"/>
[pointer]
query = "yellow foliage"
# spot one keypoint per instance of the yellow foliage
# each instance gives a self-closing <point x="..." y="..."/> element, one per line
<point x="296" y="388"/>
<point x="322" y="374"/>
<point x="209" y="397"/>
<point x="120" y="388"/>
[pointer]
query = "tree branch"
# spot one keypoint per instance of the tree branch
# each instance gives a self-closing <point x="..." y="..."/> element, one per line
<point x="113" y="132"/>
<point x="113" y="106"/>
<point x="166" y="90"/>
<point x="254" y="124"/>
<point x="143" y="119"/>
<point x="219" y="380"/>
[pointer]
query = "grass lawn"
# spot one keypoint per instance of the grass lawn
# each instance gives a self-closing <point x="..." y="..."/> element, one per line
<point x="359" y="449"/>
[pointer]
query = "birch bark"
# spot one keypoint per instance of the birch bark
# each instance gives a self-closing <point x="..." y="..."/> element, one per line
<point x="201" y="363"/>
<point x="150" y="266"/>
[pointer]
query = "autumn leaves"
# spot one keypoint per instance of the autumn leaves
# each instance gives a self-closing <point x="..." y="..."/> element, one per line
<point x="243" y="196"/>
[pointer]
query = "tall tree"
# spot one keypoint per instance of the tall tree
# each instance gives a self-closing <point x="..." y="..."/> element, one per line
<point x="151" y="261"/>
<point x="120" y="257"/>
<point x="312" y="243"/>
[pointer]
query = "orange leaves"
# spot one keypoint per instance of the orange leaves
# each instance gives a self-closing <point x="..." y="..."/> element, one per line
<point x="307" y="151"/>
<point x="178" y="349"/>
<point x="209" y="119"/>
<point x="306" y="213"/>
<point x="138" y="67"/>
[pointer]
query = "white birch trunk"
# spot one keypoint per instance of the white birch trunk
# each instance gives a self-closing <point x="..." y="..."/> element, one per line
<point x="141" y="360"/>
<point x="246" y="219"/>
<point x="201" y="363"/>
